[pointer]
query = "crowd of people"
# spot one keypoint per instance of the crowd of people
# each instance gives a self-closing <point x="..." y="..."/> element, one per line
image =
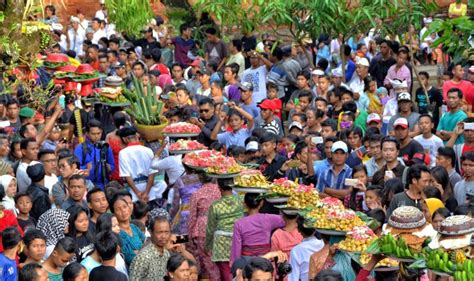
<point x="116" y="207"/>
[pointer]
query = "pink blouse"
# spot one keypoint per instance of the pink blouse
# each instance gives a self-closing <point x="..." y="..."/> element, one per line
<point x="284" y="241"/>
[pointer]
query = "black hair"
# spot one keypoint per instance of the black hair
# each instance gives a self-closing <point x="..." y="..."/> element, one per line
<point x="43" y="152"/>
<point x="330" y="123"/>
<point x="12" y="101"/>
<point x="378" y="214"/>
<point x="70" y="159"/>
<point x="72" y="271"/>
<point x="441" y="176"/>
<point x="237" y="44"/>
<point x="24" y="127"/>
<point x="91" y="192"/>
<point x="66" y="245"/>
<point x="20" y="195"/>
<point x="469" y="156"/>
<point x="259" y="132"/>
<point x="77" y="177"/>
<point x="426" y="115"/>
<point x="464" y="209"/>
<point x="183" y="27"/>
<point x="415" y="171"/>
<point x="12" y="147"/>
<point x="174" y="262"/>
<point x="271" y="85"/>
<point x="234" y="68"/>
<point x="321" y="99"/>
<point x="356" y="131"/>
<point x="305" y="73"/>
<point x="51" y="8"/>
<point x="106" y="244"/>
<point x="217" y="146"/>
<point x="31" y="235"/>
<point x="305" y="94"/>
<point x="114" y="40"/>
<point x="331" y="139"/>
<point x="156" y="54"/>
<point x="25" y="142"/>
<point x="104" y="222"/>
<point x="424" y="73"/>
<point x="211" y="30"/>
<point x="328" y="275"/>
<point x="444" y="212"/>
<point x="333" y="93"/>
<point x="2" y="192"/>
<point x="140" y="209"/>
<point x="350" y="106"/>
<point x="456" y="90"/>
<point x="93" y="46"/>
<point x="155" y="220"/>
<point x="120" y="119"/>
<point x="251" y="200"/>
<point x="449" y="153"/>
<point x="345" y="91"/>
<point x="117" y="197"/>
<point x="257" y="263"/>
<point x="304" y="230"/>
<point x="29" y="272"/>
<point x="432" y="192"/>
<point x="94" y="123"/>
<point x="347" y="50"/>
<point x="322" y="63"/>
<point x="207" y="101"/>
<point x="269" y="137"/>
<point x="235" y="150"/>
<point x="367" y="81"/>
<point x="10" y="237"/>
<point x="300" y="145"/>
<point x="74" y="212"/>
<point x="393" y="186"/>
<point x="390" y="139"/>
<point x="225" y="184"/>
<point x="278" y="53"/>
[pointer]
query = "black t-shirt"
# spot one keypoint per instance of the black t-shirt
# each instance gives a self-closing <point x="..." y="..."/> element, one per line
<point x="28" y="224"/>
<point x="102" y="272"/>
<point x="436" y="100"/>
<point x="402" y="199"/>
<point x="410" y="150"/>
<point x="84" y="248"/>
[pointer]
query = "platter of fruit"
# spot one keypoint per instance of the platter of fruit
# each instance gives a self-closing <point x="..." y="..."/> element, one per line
<point x="251" y="181"/>
<point x="181" y="130"/>
<point x="200" y="160"/>
<point x="223" y="167"/>
<point x="384" y="265"/>
<point x="280" y="191"/>
<point x="185" y="146"/>
<point x="357" y="239"/>
<point x="288" y="210"/>
<point x="303" y="196"/>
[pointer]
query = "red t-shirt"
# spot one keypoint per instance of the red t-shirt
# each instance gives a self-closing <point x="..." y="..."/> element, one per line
<point x="465" y="86"/>
<point x="466" y="148"/>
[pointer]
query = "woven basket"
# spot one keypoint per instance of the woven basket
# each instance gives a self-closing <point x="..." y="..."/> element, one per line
<point x="152" y="132"/>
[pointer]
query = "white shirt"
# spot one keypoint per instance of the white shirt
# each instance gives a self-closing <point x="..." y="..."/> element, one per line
<point x="49" y="181"/>
<point x="431" y="145"/>
<point x="172" y="165"/>
<point x="97" y="35"/>
<point x="84" y="25"/>
<point x="300" y="256"/>
<point x="76" y="38"/>
<point x="238" y="59"/>
<point x="257" y="76"/>
<point x="100" y="15"/>
<point x="22" y="177"/>
<point x="390" y="109"/>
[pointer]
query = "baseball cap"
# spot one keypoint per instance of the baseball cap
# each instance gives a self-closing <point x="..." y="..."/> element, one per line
<point x="363" y="62"/>
<point x="149" y="29"/>
<point x="252" y="146"/>
<point x="204" y="70"/>
<point x="339" y="145"/>
<point x="246" y="86"/>
<point x="119" y="64"/>
<point x="404" y="97"/>
<point x="337" y="72"/>
<point x="196" y="62"/>
<point x="373" y="117"/>
<point x="267" y="104"/>
<point x="27" y="112"/>
<point x="253" y="54"/>
<point x="295" y="124"/>
<point x="318" y="72"/>
<point x="401" y="122"/>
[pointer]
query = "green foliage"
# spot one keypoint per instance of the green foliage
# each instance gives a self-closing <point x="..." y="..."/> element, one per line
<point x="129" y="16"/>
<point x="144" y="108"/>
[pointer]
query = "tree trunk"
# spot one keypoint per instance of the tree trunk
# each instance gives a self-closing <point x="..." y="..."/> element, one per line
<point x="343" y="59"/>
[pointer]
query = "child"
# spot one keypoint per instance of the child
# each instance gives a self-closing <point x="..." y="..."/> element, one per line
<point x="354" y="200"/>
<point x="107" y="246"/>
<point x="11" y="239"/>
<point x="238" y="152"/>
<point x="35" y="246"/>
<point x="236" y="121"/>
<point x="9" y="186"/>
<point x="80" y="232"/>
<point x="302" y="103"/>
<point x="63" y="252"/>
<point x="300" y="118"/>
<point x="267" y="119"/>
<point x="428" y="140"/>
<point x="374" y="104"/>
<point x="373" y="197"/>
<point x="193" y="271"/>
<point x="438" y="216"/>
<point x="272" y="94"/>
<point x="53" y="139"/>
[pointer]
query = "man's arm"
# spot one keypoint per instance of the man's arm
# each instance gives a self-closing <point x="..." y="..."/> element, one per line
<point x="340" y="194"/>
<point x="49" y="124"/>
<point x="459" y="130"/>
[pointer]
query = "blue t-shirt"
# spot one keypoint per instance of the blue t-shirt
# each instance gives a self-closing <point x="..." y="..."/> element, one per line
<point x="234" y="138"/>
<point x="449" y="121"/>
<point x="8" y="266"/>
<point x="252" y="109"/>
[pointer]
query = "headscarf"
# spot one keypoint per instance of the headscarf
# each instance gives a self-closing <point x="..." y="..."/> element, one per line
<point x="7" y="202"/>
<point x="164" y="80"/>
<point x="52" y="223"/>
<point x="433" y="204"/>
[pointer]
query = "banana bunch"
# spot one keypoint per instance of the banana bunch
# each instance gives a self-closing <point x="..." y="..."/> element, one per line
<point x="396" y="247"/>
<point x="439" y="260"/>
<point x="464" y="271"/>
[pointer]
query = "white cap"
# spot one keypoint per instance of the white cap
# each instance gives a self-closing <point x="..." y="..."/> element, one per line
<point x="404" y="97"/>
<point x="75" y="19"/>
<point x="318" y="72"/>
<point x="295" y="124"/>
<point x="401" y="122"/>
<point x="251" y="146"/>
<point x="337" y="72"/>
<point x="363" y="62"/>
<point x="339" y="145"/>
<point x="373" y="117"/>
<point x="428" y="20"/>
<point x="57" y="26"/>
<point x="101" y="2"/>
<point x="398" y="84"/>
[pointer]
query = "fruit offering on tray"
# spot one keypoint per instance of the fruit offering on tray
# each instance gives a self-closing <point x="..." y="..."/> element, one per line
<point x="251" y="178"/>
<point x="283" y="187"/>
<point x="186" y="145"/>
<point x="224" y="165"/>
<point x="111" y="95"/>
<point x="357" y="239"/>
<point x="330" y="214"/>
<point x="388" y="262"/>
<point x="303" y="196"/>
<point x="182" y="128"/>
<point x="202" y="159"/>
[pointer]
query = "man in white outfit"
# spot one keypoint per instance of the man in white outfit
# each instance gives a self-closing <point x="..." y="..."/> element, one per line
<point x="135" y="166"/>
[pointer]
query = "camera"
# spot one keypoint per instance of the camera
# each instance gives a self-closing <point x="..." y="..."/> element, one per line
<point x="283" y="268"/>
<point x="102" y="144"/>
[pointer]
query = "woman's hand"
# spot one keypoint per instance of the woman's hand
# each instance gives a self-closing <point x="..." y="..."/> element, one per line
<point x="361" y="186"/>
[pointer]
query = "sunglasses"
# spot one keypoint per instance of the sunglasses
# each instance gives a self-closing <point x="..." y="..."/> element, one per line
<point x="204" y="110"/>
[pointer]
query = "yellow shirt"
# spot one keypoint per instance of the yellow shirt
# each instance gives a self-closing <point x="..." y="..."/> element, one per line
<point x="454" y="10"/>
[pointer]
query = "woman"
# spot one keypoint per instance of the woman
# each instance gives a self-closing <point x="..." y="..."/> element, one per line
<point x="7" y="219"/>
<point x="177" y="268"/>
<point x="79" y="231"/>
<point x="184" y="187"/>
<point x="115" y="142"/>
<point x="440" y="180"/>
<point x="54" y="224"/>
<point x="300" y="166"/>
<point x="15" y="152"/>
<point x="355" y="199"/>
<point x="287" y="145"/>
<point x="438" y="216"/>
<point x="200" y="202"/>
<point x="284" y="239"/>
<point x="75" y="272"/>
<point x="252" y="234"/>
<point x="132" y="237"/>
<point x="9" y="186"/>
<point x="314" y="117"/>
<point x="50" y="15"/>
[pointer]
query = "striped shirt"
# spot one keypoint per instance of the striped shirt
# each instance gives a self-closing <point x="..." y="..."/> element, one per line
<point x="329" y="179"/>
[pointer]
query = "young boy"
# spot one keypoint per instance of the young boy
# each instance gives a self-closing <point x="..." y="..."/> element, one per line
<point x="267" y="120"/>
<point x="35" y="246"/>
<point x="272" y="94"/>
<point x="23" y="204"/>
<point x="435" y="96"/>
<point x="467" y="184"/>
<point x="11" y="239"/>
<point x="248" y="104"/>
<point x="61" y="255"/>
<point x="427" y="139"/>
<point x="97" y="203"/>
<point x="106" y="245"/>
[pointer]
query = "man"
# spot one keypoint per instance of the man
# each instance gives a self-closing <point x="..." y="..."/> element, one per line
<point x="457" y="82"/>
<point x="97" y="203"/>
<point x="76" y="190"/>
<point x="399" y="71"/>
<point x="29" y="151"/>
<point x="328" y="128"/>
<point x="267" y="119"/>
<point x="404" y="108"/>
<point x="393" y="168"/>
<point x="236" y="56"/>
<point x="148" y="42"/>
<point x="104" y="70"/>
<point x="332" y="181"/>
<point x="206" y="122"/>
<point x="450" y="119"/>
<point x="76" y="36"/>
<point x="430" y="142"/>
<point x="256" y="75"/>
<point x="39" y="194"/>
<point x="374" y="151"/>
<point x="98" y="31"/>
<point x="193" y="83"/>
<point x="11" y="238"/>
<point x="292" y="68"/>
<point x="215" y="49"/>
<point x="446" y="158"/>
<point x="435" y="96"/>
<point x="135" y="166"/>
<point x="4" y="148"/>
<point x="381" y="63"/>
<point x="151" y="261"/>
<point x="374" y="121"/>
<point x="95" y="157"/>
<point x="13" y="113"/>
<point x="418" y="177"/>
<point x="466" y="129"/>
<point x="33" y="272"/>
<point x="357" y="85"/>
<point x="270" y="162"/>
<point x="465" y="186"/>
<point x="183" y="44"/>
<point x="231" y="76"/>
<point x="50" y="163"/>
<point x="93" y="56"/>
<point x="410" y="150"/>
<point x="320" y="166"/>
<point x="107" y="247"/>
<point x="204" y="77"/>
<point x="155" y="56"/>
